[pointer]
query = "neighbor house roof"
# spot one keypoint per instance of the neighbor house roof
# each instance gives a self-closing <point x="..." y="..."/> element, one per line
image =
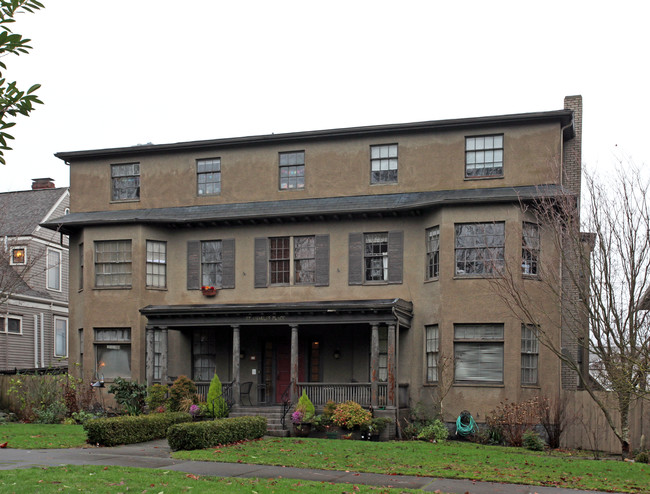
<point x="563" y="117"/>
<point x="301" y="209"/>
<point x="22" y="211"/>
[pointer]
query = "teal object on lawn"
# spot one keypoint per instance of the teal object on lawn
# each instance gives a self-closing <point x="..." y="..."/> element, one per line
<point x="465" y="424"/>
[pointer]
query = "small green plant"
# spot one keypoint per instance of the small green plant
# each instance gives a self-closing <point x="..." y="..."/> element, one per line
<point x="436" y="432"/>
<point x="216" y="406"/>
<point x="322" y="422"/>
<point x="129" y="394"/>
<point x="82" y="416"/>
<point x="642" y="457"/>
<point x="54" y="413"/>
<point x="306" y="407"/>
<point x="532" y="441"/>
<point x="156" y="396"/>
<point x="328" y="409"/>
<point x="183" y="387"/>
<point x="350" y="415"/>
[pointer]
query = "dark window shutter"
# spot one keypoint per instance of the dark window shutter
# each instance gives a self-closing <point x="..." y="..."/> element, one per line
<point x="322" y="254"/>
<point x="194" y="265"/>
<point x="261" y="262"/>
<point x="355" y="259"/>
<point x="228" y="259"/>
<point x="395" y="257"/>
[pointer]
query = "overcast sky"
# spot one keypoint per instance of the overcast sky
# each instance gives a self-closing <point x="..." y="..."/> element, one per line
<point x="119" y="73"/>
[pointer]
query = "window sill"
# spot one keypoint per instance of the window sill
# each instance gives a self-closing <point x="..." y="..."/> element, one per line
<point x="475" y="277"/>
<point x="383" y="183"/>
<point x="431" y="280"/>
<point x="113" y="287"/>
<point x="534" y="277"/>
<point x="490" y="177"/>
<point x="122" y="201"/>
<point x="531" y="386"/>
<point x="479" y="385"/>
<point x="157" y="288"/>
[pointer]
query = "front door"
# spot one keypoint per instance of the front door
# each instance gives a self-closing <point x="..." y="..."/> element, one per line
<point x="283" y="369"/>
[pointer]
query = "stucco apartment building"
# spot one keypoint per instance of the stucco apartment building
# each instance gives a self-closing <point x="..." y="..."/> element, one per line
<point x="348" y="263"/>
<point x="33" y="279"/>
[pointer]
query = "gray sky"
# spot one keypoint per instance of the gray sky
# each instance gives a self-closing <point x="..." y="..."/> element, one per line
<point x="121" y="73"/>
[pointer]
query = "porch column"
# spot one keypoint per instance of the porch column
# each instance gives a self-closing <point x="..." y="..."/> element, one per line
<point x="149" y="361"/>
<point x="294" y="363"/>
<point x="235" y="364"/>
<point x="164" y="348"/>
<point x="374" y="365"/>
<point x="391" y="366"/>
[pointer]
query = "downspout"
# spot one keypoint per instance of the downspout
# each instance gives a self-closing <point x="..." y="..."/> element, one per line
<point x="42" y="340"/>
<point x="399" y="430"/>
<point x="35" y="341"/>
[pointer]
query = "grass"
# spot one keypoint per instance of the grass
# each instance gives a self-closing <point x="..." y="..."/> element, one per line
<point x="42" y="436"/>
<point x="142" y="480"/>
<point x="451" y="459"/>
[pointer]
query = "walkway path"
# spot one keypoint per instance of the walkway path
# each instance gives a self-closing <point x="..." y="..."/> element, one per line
<point x="156" y="454"/>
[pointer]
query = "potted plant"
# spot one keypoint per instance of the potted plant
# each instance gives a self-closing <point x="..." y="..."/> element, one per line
<point x="302" y="416"/>
<point x="373" y="429"/>
<point x="209" y="291"/>
<point x="352" y="416"/>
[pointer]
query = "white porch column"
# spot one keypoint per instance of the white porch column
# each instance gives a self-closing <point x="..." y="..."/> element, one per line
<point x="374" y="364"/>
<point x="392" y="368"/>
<point x="236" y="350"/>
<point x="294" y="363"/>
<point x="149" y="361"/>
<point x="164" y="348"/>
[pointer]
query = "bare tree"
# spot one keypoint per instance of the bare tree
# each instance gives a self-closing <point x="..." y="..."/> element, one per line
<point x="600" y="281"/>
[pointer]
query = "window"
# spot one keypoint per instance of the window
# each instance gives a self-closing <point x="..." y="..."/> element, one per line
<point x="479" y="248"/>
<point x="126" y="182"/>
<point x="11" y="325"/>
<point x="211" y="263"/>
<point x="478" y="353"/>
<point x="529" y="354"/>
<point x="113" y="263"/>
<point x="113" y="352"/>
<point x="292" y="170"/>
<point x="81" y="266"/>
<point x="433" y="252"/>
<point x="204" y="351"/>
<point x="300" y="260"/>
<point x="432" y="350"/>
<point x="376" y="256"/>
<point x="208" y="175"/>
<point x="530" y="248"/>
<point x="53" y="269"/>
<point x="157" y="353"/>
<point x="484" y="156"/>
<point x="60" y="337"/>
<point x="304" y="255"/>
<point x="279" y="260"/>
<point x="18" y="256"/>
<point x="383" y="164"/>
<point x="156" y="264"/>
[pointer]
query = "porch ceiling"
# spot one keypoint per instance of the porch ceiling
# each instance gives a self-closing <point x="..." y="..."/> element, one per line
<point x="318" y="312"/>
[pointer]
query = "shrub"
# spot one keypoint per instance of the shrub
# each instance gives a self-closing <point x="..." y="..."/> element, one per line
<point x="306" y="408"/>
<point x="436" y="431"/>
<point x="53" y="413"/>
<point x="216" y="406"/>
<point x="156" y="396"/>
<point x="328" y="409"/>
<point x="129" y="394"/>
<point x="131" y="429"/>
<point x="350" y="415"/>
<point x="37" y="394"/>
<point x="532" y="441"/>
<point x="322" y="422"/>
<point x="201" y="435"/>
<point x="642" y="457"/>
<point x="182" y="388"/>
<point x="511" y="420"/>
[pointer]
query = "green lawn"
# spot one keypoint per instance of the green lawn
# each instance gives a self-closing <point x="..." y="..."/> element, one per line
<point x="143" y="481"/>
<point x="42" y="436"/>
<point x="451" y="459"/>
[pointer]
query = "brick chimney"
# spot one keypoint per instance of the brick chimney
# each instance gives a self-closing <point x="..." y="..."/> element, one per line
<point x="42" y="183"/>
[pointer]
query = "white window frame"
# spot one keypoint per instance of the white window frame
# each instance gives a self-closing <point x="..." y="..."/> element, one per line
<point x="156" y="264"/>
<point x="291" y="161"/>
<point x="529" y="355"/>
<point x="208" y="177"/>
<point x="121" y="174"/>
<point x="530" y="249"/>
<point x="122" y="262"/>
<point x="58" y="319"/>
<point x="482" y="340"/>
<point x="384" y="159"/>
<point x="479" y="247"/>
<point x="433" y="253"/>
<point x="123" y="338"/>
<point x="4" y="324"/>
<point x="432" y="351"/>
<point x="484" y="152"/>
<point x="57" y="269"/>
<point x="370" y="240"/>
<point x="11" y="258"/>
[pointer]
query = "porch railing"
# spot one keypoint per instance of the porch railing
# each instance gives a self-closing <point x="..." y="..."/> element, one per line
<point x="202" y="389"/>
<point x="321" y="393"/>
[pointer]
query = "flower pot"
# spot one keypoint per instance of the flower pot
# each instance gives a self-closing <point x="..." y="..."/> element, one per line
<point x="302" y="429"/>
<point x="209" y="291"/>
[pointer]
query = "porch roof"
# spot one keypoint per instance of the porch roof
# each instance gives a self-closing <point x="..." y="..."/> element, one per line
<point x="281" y="313"/>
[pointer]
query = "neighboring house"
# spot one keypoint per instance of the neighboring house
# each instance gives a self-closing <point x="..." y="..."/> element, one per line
<point x="33" y="279"/>
<point x="344" y="262"/>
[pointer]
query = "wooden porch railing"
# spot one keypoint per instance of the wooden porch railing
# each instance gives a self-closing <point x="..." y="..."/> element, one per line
<point x="321" y="393"/>
<point x="202" y="389"/>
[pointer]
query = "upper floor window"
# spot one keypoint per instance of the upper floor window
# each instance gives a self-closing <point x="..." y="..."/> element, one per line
<point x="211" y="263"/>
<point x="292" y="170"/>
<point x="529" y="354"/>
<point x="208" y="176"/>
<point x="479" y="248"/>
<point x="156" y="264"/>
<point x="125" y="182"/>
<point x="433" y="252"/>
<point x="484" y="156"/>
<point x="375" y="257"/>
<point x="113" y="263"/>
<point x="299" y="260"/>
<point x="383" y="164"/>
<point x="60" y="337"/>
<point x="11" y="325"/>
<point x="432" y="349"/>
<point x="478" y="353"/>
<point x="18" y="255"/>
<point x="530" y="248"/>
<point x="53" y="269"/>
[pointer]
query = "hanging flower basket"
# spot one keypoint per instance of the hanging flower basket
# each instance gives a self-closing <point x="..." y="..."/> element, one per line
<point x="208" y="291"/>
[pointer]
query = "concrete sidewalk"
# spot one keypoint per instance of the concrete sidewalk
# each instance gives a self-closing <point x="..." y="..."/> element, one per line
<point x="156" y="454"/>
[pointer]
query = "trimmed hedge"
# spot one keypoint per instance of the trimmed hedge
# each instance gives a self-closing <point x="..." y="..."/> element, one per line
<point x="128" y="429"/>
<point x="201" y="435"/>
